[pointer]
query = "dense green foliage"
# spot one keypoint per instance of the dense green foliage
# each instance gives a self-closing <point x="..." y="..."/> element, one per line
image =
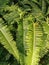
<point x="24" y="32"/>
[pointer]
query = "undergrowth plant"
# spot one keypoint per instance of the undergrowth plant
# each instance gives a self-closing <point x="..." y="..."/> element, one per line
<point x="24" y="32"/>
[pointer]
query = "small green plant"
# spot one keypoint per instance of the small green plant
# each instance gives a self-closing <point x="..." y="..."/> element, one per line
<point x="24" y="32"/>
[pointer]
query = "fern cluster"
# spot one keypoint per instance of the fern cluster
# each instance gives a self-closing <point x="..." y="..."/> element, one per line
<point x="24" y="32"/>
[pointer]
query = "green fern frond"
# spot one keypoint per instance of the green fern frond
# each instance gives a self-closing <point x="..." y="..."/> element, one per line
<point x="31" y="36"/>
<point x="34" y="33"/>
<point x="12" y="17"/>
<point x="46" y="30"/>
<point x="6" y="40"/>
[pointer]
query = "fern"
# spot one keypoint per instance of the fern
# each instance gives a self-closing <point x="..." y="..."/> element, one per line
<point x="7" y="40"/>
<point x="30" y="30"/>
<point x="35" y="51"/>
<point x="24" y="32"/>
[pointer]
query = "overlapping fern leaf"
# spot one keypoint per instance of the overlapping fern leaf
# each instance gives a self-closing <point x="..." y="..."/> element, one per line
<point x="6" y="40"/>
